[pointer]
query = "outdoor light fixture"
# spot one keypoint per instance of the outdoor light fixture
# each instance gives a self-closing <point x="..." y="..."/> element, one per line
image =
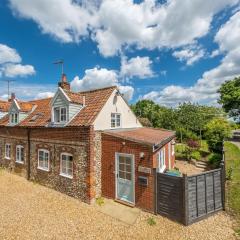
<point x="123" y="143"/>
<point x="141" y="154"/>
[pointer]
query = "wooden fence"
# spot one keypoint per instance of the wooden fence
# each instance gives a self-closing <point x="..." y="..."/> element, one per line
<point x="189" y="199"/>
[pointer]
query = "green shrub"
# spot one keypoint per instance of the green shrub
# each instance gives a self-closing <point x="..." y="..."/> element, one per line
<point x="151" y="221"/>
<point x="196" y="155"/>
<point x="216" y="131"/>
<point x="100" y="201"/>
<point x="215" y="159"/>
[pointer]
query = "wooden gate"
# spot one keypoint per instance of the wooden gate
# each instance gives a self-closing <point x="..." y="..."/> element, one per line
<point x="189" y="199"/>
<point x="170" y="196"/>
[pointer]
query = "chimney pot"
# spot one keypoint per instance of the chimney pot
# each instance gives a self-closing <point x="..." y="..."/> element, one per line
<point x="13" y="96"/>
<point x="64" y="84"/>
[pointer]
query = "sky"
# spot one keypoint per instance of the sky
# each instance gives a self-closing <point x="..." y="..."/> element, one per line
<point x="166" y="51"/>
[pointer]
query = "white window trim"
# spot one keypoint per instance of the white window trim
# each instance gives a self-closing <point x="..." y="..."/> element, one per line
<point x="61" y="173"/>
<point x="116" y="120"/>
<point x="53" y="114"/>
<point x="173" y="148"/>
<point x="21" y="148"/>
<point x="12" y="118"/>
<point x="164" y="158"/>
<point x="41" y="168"/>
<point x="7" y="144"/>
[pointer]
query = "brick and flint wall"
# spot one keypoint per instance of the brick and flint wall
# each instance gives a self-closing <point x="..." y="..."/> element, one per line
<point x="77" y="141"/>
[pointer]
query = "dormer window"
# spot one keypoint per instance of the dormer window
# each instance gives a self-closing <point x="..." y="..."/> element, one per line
<point x="14" y="118"/>
<point x="60" y="114"/>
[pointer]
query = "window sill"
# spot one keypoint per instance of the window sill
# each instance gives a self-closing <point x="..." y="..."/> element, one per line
<point x="66" y="176"/>
<point x="19" y="162"/>
<point x="43" y="169"/>
<point x="7" y="158"/>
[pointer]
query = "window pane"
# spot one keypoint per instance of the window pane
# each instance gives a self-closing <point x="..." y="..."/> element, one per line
<point x="121" y="174"/>
<point x="128" y="176"/>
<point x="128" y="160"/>
<point x="63" y="114"/>
<point x="128" y="168"/>
<point x="122" y="167"/>
<point x="56" y="114"/>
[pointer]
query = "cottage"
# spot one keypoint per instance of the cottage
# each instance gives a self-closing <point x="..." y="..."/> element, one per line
<point x="86" y="144"/>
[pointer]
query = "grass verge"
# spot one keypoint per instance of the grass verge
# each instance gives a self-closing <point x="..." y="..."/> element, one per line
<point x="232" y="157"/>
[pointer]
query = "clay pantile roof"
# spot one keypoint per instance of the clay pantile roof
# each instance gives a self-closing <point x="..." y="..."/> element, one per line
<point x="41" y="115"/>
<point x="25" y="106"/>
<point x="4" y="106"/>
<point x="4" y="120"/>
<point x="75" y="97"/>
<point x="151" y="136"/>
<point x="94" y="100"/>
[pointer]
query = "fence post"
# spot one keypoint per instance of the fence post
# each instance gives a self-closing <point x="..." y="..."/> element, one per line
<point x="185" y="200"/>
<point x="223" y="178"/>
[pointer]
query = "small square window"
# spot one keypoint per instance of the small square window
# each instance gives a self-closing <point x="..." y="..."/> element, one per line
<point x="8" y="151"/>
<point x="115" y="120"/>
<point x="20" y="154"/>
<point x="43" y="159"/>
<point x="66" y="165"/>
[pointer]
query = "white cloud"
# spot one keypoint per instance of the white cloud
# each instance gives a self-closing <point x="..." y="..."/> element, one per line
<point x="41" y="95"/>
<point x="95" y="78"/>
<point x="8" y="55"/>
<point x="114" y="24"/>
<point x="65" y="20"/>
<point x="205" y="90"/>
<point x="13" y="70"/>
<point x="189" y="54"/>
<point x="25" y="91"/>
<point x="127" y="92"/>
<point x="99" y="78"/>
<point x="10" y="63"/>
<point x="136" y="67"/>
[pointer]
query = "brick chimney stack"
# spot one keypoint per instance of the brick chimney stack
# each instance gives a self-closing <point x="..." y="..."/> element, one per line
<point x="64" y="84"/>
<point x="13" y="96"/>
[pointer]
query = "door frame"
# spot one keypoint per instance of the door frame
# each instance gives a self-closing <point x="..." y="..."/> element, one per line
<point x="117" y="154"/>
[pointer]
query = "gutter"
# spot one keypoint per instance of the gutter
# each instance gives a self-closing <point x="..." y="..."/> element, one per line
<point x="29" y="153"/>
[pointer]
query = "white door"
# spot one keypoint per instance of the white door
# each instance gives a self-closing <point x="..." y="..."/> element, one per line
<point x="125" y="177"/>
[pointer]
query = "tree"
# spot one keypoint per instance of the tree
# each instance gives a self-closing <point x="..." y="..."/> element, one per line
<point x="216" y="131"/>
<point x="230" y="97"/>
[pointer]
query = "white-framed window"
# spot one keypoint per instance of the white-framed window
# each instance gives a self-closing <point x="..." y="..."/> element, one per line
<point x="161" y="160"/>
<point x="60" y="114"/>
<point x="66" y="165"/>
<point x="173" y="148"/>
<point x="19" y="154"/>
<point x="43" y="159"/>
<point x="7" y="150"/>
<point x="115" y="120"/>
<point x="14" y="118"/>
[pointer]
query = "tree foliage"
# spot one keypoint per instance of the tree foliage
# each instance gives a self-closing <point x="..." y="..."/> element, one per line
<point x="188" y="119"/>
<point x="230" y="97"/>
<point x="216" y="131"/>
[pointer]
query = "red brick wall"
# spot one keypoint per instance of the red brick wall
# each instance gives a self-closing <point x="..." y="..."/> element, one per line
<point x="144" y="196"/>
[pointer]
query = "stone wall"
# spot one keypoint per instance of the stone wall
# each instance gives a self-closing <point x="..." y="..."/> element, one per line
<point x="98" y="163"/>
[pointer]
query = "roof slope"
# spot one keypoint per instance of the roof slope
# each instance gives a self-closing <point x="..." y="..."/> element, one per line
<point x="41" y="115"/>
<point x="94" y="100"/>
<point x="4" y="106"/>
<point x="151" y="136"/>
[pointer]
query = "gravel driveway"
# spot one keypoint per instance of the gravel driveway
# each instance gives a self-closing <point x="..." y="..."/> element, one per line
<point x="31" y="211"/>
